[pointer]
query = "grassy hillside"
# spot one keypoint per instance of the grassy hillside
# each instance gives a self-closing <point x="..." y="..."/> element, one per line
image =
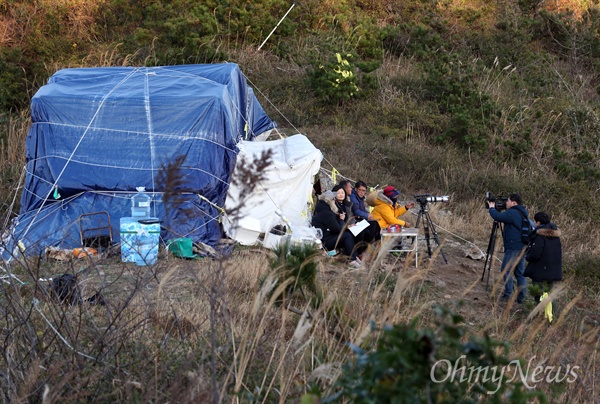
<point x="445" y="97"/>
<point x="439" y="96"/>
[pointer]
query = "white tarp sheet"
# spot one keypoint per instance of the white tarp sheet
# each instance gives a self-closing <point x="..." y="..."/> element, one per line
<point x="285" y="191"/>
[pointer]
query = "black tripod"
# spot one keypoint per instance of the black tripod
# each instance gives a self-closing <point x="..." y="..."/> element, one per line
<point x="428" y="224"/>
<point x="490" y="251"/>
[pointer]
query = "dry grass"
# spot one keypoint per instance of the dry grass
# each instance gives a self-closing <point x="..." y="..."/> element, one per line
<point x="190" y="331"/>
<point x="187" y="330"/>
<point x="12" y="151"/>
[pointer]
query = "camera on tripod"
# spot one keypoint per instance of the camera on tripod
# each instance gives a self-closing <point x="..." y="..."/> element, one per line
<point x="423" y="199"/>
<point x="499" y="200"/>
<point x="428" y="225"/>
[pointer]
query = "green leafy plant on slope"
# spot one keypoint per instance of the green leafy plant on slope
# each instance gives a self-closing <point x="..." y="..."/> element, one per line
<point x="297" y="265"/>
<point x="436" y="365"/>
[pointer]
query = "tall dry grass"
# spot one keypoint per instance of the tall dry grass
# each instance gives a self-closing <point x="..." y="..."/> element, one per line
<point x="12" y="162"/>
<point x="12" y="148"/>
<point x="208" y="330"/>
<point x="192" y="331"/>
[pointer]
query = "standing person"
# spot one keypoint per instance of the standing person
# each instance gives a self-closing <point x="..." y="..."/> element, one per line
<point x="387" y="211"/>
<point x="514" y="257"/>
<point x="360" y="211"/>
<point x="332" y="223"/>
<point x="544" y="256"/>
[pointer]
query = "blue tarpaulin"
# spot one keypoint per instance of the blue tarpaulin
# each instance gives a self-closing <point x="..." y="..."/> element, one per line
<point x="98" y="133"/>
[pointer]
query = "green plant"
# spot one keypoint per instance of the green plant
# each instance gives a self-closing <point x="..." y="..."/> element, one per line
<point x="453" y="85"/>
<point x="406" y="366"/>
<point x="13" y="92"/>
<point x="296" y="264"/>
<point x="336" y="80"/>
<point x="585" y="269"/>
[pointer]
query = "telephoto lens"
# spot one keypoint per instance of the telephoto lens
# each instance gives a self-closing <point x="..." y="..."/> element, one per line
<point x="433" y="199"/>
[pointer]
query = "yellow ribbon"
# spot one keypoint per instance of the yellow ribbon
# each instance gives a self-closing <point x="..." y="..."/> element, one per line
<point x="548" y="309"/>
<point x="311" y="205"/>
<point x="334" y="174"/>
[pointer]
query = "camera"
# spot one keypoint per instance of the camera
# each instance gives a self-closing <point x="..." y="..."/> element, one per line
<point x="423" y="199"/>
<point x="499" y="200"/>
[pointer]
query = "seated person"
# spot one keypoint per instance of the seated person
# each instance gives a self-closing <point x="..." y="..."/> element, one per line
<point x="343" y="203"/>
<point x="360" y="211"/>
<point x="347" y="185"/>
<point x="331" y="221"/>
<point x="387" y="211"/>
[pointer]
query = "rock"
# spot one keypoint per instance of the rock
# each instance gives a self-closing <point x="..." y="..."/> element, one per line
<point x="474" y="253"/>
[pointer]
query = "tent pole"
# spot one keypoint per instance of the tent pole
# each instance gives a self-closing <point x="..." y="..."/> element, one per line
<point x="282" y="18"/>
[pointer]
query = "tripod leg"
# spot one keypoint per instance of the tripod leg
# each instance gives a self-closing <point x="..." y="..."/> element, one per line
<point x="425" y="227"/>
<point x="435" y="237"/>
<point x="487" y="266"/>
<point x="419" y="216"/>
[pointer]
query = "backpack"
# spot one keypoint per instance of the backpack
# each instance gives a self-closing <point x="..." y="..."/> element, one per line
<point x="370" y="199"/>
<point x="526" y="229"/>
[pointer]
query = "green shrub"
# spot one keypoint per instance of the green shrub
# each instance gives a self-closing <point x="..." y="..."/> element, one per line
<point x="13" y="94"/>
<point x="405" y="367"/>
<point x="335" y="81"/>
<point x="473" y="114"/>
<point x="298" y="264"/>
<point x="585" y="269"/>
<point x="413" y="39"/>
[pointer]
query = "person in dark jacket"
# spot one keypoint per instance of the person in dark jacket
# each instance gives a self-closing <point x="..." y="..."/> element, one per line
<point x="360" y="211"/>
<point x="331" y="221"/>
<point x="544" y="256"/>
<point x="343" y="203"/>
<point x="514" y="257"/>
<point x="357" y="197"/>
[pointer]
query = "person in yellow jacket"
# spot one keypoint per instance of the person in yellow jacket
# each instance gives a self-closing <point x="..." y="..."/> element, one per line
<point x="387" y="211"/>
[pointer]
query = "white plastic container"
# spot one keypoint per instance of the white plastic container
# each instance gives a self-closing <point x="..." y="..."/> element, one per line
<point x="247" y="231"/>
<point x="140" y="204"/>
<point x="273" y="240"/>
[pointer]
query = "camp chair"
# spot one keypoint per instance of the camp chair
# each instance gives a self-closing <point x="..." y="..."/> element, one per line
<point x="95" y="230"/>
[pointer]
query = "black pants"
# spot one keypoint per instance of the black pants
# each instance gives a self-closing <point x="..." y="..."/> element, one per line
<point x="345" y="242"/>
<point x="371" y="233"/>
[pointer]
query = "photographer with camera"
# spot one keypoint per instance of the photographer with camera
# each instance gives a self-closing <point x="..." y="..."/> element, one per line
<point x="514" y="257"/>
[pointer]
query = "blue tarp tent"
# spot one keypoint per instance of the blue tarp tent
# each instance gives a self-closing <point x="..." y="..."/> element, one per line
<point x="98" y="133"/>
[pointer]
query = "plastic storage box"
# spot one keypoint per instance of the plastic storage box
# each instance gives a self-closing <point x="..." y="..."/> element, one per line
<point x="139" y="242"/>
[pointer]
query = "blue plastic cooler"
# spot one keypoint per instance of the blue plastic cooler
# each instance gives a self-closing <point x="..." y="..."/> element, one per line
<point x="139" y="242"/>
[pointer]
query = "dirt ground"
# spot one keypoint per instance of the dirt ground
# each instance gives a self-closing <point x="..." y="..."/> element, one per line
<point x="462" y="278"/>
<point x="477" y="284"/>
<point x="181" y="286"/>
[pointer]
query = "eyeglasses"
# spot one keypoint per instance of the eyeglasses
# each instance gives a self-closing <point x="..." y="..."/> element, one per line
<point x="361" y="190"/>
